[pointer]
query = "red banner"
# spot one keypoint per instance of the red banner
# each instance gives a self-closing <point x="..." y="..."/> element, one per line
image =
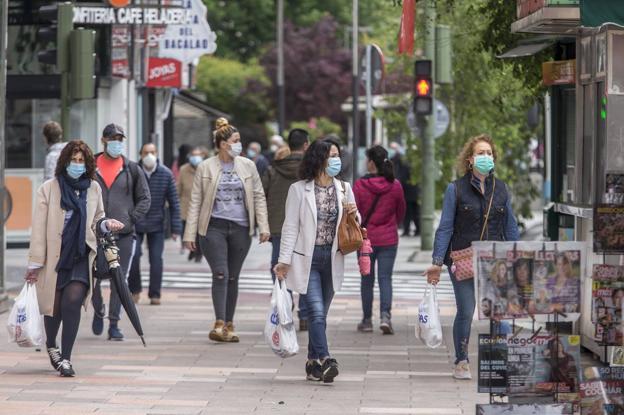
<point x="406" y="30"/>
<point x="164" y="73"/>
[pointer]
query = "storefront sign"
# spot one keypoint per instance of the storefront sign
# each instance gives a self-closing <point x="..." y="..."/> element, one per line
<point x="120" y="42"/>
<point x="164" y="73"/>
<point x="559" y="72"/>
<point x="119" y="3"/>
<point x="187" y="42"/>
<point x="134" y="15"/>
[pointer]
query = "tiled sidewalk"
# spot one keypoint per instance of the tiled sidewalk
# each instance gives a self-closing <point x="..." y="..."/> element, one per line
<point x="182" y="372"/>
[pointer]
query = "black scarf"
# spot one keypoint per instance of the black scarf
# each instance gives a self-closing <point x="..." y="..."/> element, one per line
<point x="73" y="243"/>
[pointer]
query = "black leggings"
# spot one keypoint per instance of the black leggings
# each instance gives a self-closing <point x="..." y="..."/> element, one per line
<point x="67" y="303"/>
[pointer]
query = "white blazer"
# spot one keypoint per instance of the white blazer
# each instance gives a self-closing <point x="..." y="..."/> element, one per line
<point x="299" y="234"/>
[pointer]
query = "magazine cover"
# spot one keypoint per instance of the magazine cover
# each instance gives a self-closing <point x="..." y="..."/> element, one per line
<point x="521" y="295"/>
<point x="493" y="285"/>
<point x="602" y="387"/>
<point x="607" y="299"/>
<point x="543" y="364"/>
<point x="492" y="364"/>
<point x="532" y="409"/>
<point x="609" y="228"/>
<point x="563" y="285"/>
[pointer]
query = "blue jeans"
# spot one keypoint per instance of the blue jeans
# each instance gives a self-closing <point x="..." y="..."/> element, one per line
<point x="318" y="298"/>
<point x="384" y="256"/>
<point x="275" y="242"/>
<point x="465" y="302"/>
<point x="155" y="246"/>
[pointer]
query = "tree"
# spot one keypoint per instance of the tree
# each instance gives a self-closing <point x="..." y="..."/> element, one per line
<point x="318" y="78"/>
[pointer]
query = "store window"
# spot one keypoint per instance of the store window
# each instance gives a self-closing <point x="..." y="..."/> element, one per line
<point x="569" y="134"/>
<point x="616" y="63"/>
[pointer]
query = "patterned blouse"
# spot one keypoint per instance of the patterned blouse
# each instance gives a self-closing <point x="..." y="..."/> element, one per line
<point x="326" y="214"/>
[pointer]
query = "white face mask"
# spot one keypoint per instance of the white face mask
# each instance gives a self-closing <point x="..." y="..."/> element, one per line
<point x="235" y="149"/>
<point x="149" y="161"/>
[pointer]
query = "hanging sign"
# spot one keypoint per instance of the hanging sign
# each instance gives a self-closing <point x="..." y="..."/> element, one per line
<point x="191" y="40"/>
<point x="164" y="73"/>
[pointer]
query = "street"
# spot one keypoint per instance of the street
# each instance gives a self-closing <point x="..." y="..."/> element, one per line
<point x="182" y="372"/>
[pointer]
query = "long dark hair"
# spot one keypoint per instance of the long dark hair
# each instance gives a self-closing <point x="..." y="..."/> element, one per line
<point x="73" y="147"/>
<point x="314" y="159"/>
<point x="379" y="156"/>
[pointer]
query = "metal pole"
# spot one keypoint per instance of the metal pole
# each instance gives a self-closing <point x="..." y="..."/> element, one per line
<point x="369" y="98"/>
<point x="281" y="104"/>
<point x="65" y="105"/>
<point x="3" y="48"/>
<point x="427" y="181"/>
<point x="356" y="90"/>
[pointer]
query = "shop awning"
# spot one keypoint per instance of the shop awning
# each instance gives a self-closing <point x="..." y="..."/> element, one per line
<point x="188" y="105"/>
<point x="595" y="13"/>
<point x="526" y="49"/>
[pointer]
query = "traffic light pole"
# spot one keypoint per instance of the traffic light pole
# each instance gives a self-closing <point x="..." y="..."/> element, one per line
<point x="427" y="181"/>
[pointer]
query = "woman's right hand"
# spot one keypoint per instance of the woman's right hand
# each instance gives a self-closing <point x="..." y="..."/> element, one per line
<point x="433" y="274"/>
<point x="190" y="245"/>
<point x="281" y="271"/>
<point x="32" y="275"/>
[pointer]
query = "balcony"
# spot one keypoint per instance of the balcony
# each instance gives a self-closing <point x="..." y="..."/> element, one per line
<point x="555" y="17"/>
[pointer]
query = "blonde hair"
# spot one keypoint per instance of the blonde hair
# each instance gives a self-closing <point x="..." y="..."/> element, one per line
<point x="282" y="153"/>
<point x="463" y="160"/>
<point x="223" y="131"/>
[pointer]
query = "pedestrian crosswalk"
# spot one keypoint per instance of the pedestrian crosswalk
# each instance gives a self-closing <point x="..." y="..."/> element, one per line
<point x="404" y="284"/>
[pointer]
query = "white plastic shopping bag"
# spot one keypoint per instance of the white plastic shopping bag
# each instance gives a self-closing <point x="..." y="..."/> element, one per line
<point x="429" y="328"/>
<point x="279" y="330"/>
<point x="25" y="324"/>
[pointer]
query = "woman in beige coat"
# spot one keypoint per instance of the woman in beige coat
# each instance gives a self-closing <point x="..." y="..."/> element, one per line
<point x="227" y="201"/>
<point x="63" y="247"/>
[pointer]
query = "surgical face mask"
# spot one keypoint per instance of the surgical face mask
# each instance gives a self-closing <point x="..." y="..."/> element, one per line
<point x="334" y="164"/>
<point x="235" y="149"/>
<point x="75" y="170"/>
<point x="274" y="148"/>
<point x="114" y="148"/>
<point x="391" y="153"/>
<point x="195" y="160"/>
<point x="251" y="153"/>
<point x="149" y="161"/>
<point x="484" y="163"/>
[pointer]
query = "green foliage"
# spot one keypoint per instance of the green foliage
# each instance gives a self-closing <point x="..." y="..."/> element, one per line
<point x="317" y="127"/>
<point x="234" y="87"/>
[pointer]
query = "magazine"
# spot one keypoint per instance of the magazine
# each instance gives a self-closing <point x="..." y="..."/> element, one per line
<point x="492" y="364"/>
<point x="543" y="364"/>
<point x="607" y="300"/>
<point x="609" y="228"/>
<point x="527" y="409"/>
<point x="493" y="286"/>
<point x="602" y="388"/>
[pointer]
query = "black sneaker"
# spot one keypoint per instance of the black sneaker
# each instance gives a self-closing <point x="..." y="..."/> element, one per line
<point x="386" y="324"/>
<point x="65" y="369"/>
<point x="55" y="356"/>
<point x="365" y="326"/>
<point x="313" y="370"/>
<point x="115" y="334"/>
<point x="329" y="370"/>
<point x="98" y="321"/>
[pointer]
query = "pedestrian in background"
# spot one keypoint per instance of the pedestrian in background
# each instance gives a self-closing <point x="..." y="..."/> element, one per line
<point x="126" y="198"/>
<point x="254" y="152"/>
<point x="184" y="188"/>
<point x="63" y="247"/>
<point x="152" y="227"/>
<point x="181" y="160"/>
<point x="381" y="221"/>
<point x="276" y="182"/>
<point x="346" y="158"/>
<point x="411" y="192"/>
<point x="465" y="219"/>
<point x="309" y="256"/>
<point x="53" y="135"/>
<point x="227" y="201"/>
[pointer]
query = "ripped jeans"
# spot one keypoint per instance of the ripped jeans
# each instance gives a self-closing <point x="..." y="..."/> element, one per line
<point x="225" y="247"/>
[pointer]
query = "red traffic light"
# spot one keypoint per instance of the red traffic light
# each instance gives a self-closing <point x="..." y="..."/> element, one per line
<point x="423" y="88"/>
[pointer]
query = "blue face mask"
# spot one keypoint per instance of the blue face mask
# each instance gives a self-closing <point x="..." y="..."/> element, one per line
<point x="114" y="148"/>
<point x="75" y="170"/>
<point x="334" y="164"/>
<point x="484" y="163"/>
<point x="251" y="153"/>
<point x="195" y="160"/>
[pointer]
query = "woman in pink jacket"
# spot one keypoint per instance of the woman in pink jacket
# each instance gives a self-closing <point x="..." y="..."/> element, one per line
<point x="379" y="198"/>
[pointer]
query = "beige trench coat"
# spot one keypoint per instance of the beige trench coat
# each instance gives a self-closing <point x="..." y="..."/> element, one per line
<point x="45" y="240"/>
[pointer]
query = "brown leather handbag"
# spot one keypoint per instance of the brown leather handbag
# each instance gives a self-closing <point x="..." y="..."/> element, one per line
<point x="349" y="232"/>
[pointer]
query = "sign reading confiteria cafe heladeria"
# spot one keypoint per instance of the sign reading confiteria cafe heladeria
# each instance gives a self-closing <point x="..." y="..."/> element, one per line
<point x="134" y="15"/>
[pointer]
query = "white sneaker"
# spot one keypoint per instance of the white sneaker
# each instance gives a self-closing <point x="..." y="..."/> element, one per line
<point x="462" y="371"/>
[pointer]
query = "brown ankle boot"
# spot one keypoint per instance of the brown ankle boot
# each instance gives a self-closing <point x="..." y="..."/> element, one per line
<point x="230" y="334"/>
<point x="218" y="333"/>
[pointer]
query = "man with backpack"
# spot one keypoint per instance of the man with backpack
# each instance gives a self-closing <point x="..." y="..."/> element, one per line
<point x="126" y="197"/>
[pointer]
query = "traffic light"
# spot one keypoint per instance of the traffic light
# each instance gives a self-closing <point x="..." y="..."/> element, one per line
<point x="82" y="68"/>
<point x="423" y="88"/>
<point x="59" y="19"/>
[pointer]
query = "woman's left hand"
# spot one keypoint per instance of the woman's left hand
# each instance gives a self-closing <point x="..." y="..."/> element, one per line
<point x="113" y="225"/>
<point x="351" y="208"/>
<point x="264" y="237"/>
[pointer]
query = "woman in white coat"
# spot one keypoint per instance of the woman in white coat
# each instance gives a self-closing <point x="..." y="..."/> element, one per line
<point x="309" y="256"/>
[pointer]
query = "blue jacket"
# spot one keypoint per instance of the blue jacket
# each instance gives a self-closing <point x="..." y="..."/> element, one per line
<point x="162" y="189"/>
<point x="501" y="216"/>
